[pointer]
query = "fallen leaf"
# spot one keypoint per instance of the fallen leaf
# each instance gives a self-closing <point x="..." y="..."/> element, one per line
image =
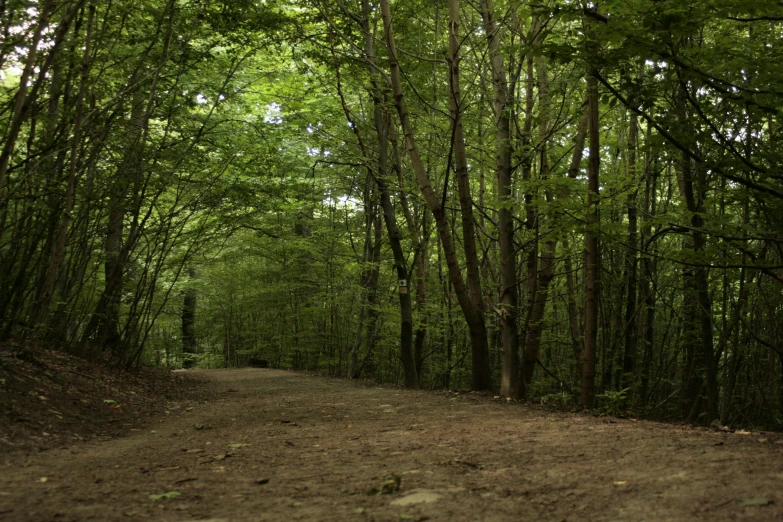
<point x="262" y="481"/>
<point x="169" y="494"/>
<point x="418" y="497"/>
<point x="754" y="502"/>
<point x="42" y="479"/>
<point x="109" y="401"/>
<point x="619" y="483"/>
<point x="239" y="445"/>
<point x="742" y="432"/>
<point x="762" y="440"/>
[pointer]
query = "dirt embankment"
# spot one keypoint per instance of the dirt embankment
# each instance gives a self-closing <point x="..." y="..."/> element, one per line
<point x="49" y="399"/>
<point x="274" y="445"/>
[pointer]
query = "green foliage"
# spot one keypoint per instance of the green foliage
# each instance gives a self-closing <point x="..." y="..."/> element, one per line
<point x="613" y="402"/>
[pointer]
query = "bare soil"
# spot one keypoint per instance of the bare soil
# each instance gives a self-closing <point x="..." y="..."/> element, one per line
<point x="275" y="445"/>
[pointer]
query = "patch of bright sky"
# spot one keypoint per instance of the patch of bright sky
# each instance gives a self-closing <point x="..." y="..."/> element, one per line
<point x="349" y="201"/>
<point x="316" y="151"/>
<point x="273" y="113"/>
<point x="14" y="60"/>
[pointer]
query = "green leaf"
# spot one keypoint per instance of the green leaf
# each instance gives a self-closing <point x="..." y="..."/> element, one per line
<point x="754" y="502"/>
<point x="170" y="494"/>
<point x="391" y="484"/>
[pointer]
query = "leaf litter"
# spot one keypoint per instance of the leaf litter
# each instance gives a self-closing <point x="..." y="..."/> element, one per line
<point x="436" y="459"/>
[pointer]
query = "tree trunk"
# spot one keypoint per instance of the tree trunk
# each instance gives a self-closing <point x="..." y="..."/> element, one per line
<point x="534" y="324"/>
<point x="474" y="317"/>
<point x="189" y="323"/>
<point x="577" y="340"/>
<point x="592" y="254"/>
<point x="700" y="367"/>
<point x="421" y="254"/>
<point x="57" y="257"/>
<point x="648" y="276"/>
<point x="373" y="312"/>
<point x="509" y="287"/>
<point x="481" y="376"/>
<point x="20" y="101"/>
<point x="369" y="266"/>
<point x="631" y="264"/>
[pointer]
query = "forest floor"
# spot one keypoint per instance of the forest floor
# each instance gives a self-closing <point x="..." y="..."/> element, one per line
<point x="261" y="444"/>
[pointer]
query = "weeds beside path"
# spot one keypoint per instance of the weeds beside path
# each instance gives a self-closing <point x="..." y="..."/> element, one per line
<point x="275" y="445"/>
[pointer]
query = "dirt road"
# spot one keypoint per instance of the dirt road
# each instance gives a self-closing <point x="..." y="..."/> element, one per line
<point x="275" y="445"/>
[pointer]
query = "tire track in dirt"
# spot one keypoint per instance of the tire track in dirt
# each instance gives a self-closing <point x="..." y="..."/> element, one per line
<point x="277" y="445"/>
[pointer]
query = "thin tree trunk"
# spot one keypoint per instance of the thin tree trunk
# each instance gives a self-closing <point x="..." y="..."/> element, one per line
<point x="629" y="353"/>
<point x="189" y="302"/>
<point x="592" y="254"/>
<point x="365" y="280"/>
<point x="382" y="123"/>
<point x="373" y="311"/>
<point x="18" y="114"/>
<point x="648" y="283"/>
<point x="700" y="368"/>
<point x="480" y="350"/>
<point x="58" y="251"/>
<point x="534" y="326"/>
<point x="509" y="288"/>
<point x="482" y="379"/>
<point x="420" y="248"/>
<point x="577" y="340"/>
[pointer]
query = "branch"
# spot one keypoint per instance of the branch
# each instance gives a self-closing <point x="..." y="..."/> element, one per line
<point x="756" y="19"/>
<point x="692" y="155"/>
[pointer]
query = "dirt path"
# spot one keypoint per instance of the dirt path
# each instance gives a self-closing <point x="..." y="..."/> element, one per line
<point x="276" y="445"/>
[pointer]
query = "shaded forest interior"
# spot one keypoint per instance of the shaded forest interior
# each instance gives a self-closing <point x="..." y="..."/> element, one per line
<point x="577" y="203"/>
